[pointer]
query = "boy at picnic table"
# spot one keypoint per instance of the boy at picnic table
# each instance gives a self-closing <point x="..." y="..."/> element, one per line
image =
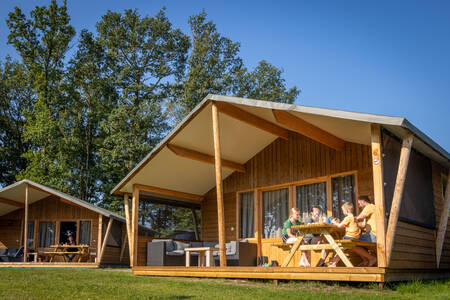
<point x="289" y="236"/>
<point x="352" y="232"/>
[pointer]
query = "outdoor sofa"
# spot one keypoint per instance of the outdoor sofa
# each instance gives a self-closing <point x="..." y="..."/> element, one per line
<point x="171" y="253"/>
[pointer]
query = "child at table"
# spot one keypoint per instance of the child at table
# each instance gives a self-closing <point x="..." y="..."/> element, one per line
<point x="352" y="232"/>
<point x="289" y="236"/>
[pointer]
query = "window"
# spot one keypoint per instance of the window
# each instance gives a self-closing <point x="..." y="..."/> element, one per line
<point x="67" y="229"/>
<point x="444" y="185"/>
<point x="30" y="233"/>
<point x="310" y="195"/>
<point x="85" y="232"/>
<point x="343" y="190"/>
<point x="47" y="231"/>
<point x="275" y="210"/>
<point x="246" y="215"/>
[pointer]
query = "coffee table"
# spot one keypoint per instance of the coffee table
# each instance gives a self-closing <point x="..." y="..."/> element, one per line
<point x="205" y="257"/>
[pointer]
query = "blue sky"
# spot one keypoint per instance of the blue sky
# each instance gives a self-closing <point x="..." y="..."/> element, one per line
<point x="384" y="57"/>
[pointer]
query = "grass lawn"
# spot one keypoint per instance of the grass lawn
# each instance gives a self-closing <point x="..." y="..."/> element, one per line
<point x="120" y="284"/>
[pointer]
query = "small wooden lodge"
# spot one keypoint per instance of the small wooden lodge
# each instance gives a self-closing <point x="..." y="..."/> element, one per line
<point x="247" y="162"/>
<point x="44" y="217"/>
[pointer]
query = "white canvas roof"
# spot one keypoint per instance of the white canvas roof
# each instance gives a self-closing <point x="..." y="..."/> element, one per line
<point x="162" y="168"/>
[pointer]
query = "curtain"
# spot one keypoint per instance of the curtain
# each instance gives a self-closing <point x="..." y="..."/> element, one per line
<point x="310" y="195"/>
<point x="47" y="232"/>
<point x="85" y="232"/>
<point x="275" y="205"/>
<point x="343" y="190"/>
<point x="246" y="215"/>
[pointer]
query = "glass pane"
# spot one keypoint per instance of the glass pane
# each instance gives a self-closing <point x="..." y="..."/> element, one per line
<point x="47" y="231"/>
<point x="30" y="234"/>
<point x="275" y="210"/>
<point x="67" y="229"/>
<point x="246" y="212"/>
<point x="85" y="232"/>
<point x="343" y="190"/>
<point x="310" y="195"/>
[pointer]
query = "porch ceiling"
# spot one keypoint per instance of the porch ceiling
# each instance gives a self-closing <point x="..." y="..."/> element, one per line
<point x="241" y="141"/>
<point x="16" y="193"/>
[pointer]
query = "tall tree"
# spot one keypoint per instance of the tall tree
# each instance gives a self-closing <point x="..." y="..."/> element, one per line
<point x="145" y="53"/>
<point x="213" y="66"/>
<point x="265" y="83"/>
<point x="90" y="96"/>
<point x="42" y="41"/>
<point x="16" y="96"/>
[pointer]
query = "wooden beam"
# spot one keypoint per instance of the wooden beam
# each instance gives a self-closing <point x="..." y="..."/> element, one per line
<point x="105" y="240"/>
<point x="378" y="191"/>
<point x="258" y="221"/>
<point x="168" y="192"/>
<point x="398" y="194"/>
<point x="194" y="219"/>
<point x="307" y="129"/>
<point x="251" y="119"/>
<point x="206" y="158"/>
<point x="219" y="190"/>
<point x="442" y="230"/>
<point x="25" y="226"/>
<point x="99" y="236"/>
<point x="128" y="221"/>
<point x="12" y="203"/>
<point x="134" y="225"/>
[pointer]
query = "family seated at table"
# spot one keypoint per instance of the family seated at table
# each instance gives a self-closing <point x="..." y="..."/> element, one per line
<point x="349" y="223"/>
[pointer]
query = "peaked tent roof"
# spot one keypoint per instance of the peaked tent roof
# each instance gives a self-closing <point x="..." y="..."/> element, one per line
<point x="161" y="168"/>
<point x="16" y="193"/>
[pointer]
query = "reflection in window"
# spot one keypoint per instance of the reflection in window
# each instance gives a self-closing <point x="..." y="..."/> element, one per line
<point x="343" y="190"/>
<point x="85" y="232"/>
<point x="30" y="233"/>
<point x="246" y="212"/>
<point x="47" y="231"/>
<point x="310" y="195"/>
<point x="275" y="210"/>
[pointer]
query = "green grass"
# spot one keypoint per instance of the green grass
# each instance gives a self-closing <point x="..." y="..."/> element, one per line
<point x="119" y="284"/>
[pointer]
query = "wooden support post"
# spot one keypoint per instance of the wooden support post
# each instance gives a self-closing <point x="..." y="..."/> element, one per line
<point x="25" y="225"/>
<point x="99" y="237"/>
<point x="134" y="226"/>
<point x="105" y="240"/>
<point x="124" y="245"/>
<point x="442" y="230"/>
<point x="398" y="194"/>
<point x="194" y="218"/>
<point x="218" y="167"/>
<point x="128" y="221"/>
<point x="378" y="191"/>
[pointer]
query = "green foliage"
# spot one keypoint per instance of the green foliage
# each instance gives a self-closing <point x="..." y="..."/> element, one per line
<point x="145" y="52"/>
<point x="16" y="96"/>
<point x="81" y="124"/>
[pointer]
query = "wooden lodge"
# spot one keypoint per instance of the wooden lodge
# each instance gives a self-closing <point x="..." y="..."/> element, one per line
<point x="247" y="162"/>
<point x="45" y="217"/>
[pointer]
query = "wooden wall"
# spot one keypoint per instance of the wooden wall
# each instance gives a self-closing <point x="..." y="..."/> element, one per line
<point x="281" y="162"/>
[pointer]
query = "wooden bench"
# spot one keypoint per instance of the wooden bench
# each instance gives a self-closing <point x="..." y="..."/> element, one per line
<point x="52" y="254"/>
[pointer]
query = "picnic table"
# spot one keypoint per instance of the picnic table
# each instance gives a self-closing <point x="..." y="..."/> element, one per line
<point x="327" y="231"/>
<point x="65" y="249"/>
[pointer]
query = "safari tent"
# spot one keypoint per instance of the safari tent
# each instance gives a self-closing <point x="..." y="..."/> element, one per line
<point x="44" y="217"/>
<point x="246" y="162"/>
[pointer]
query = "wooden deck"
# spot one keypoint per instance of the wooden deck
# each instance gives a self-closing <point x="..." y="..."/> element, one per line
<point x="355" y="274"/>
<point x="47" y="265"/>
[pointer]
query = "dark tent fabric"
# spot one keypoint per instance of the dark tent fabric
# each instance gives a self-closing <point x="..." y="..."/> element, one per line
<point x="417" y="203"/>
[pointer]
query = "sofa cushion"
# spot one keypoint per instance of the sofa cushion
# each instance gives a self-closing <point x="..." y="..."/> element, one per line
<point x="231" y="248"/>
<point x="175" y="253"/>
<point x="209" y="244"/>
<point x="195" y="244"/>
<point x="180" y="245"/>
